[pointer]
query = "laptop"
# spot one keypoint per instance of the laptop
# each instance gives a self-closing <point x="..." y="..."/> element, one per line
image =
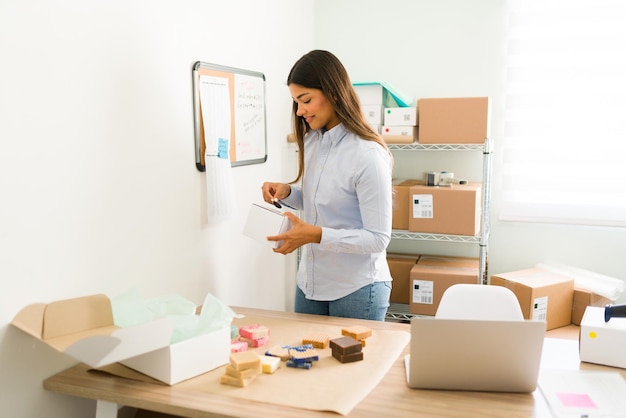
<point x="474" y="355"/>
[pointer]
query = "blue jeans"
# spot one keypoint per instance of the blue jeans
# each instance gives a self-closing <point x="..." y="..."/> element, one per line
<point x="369" y="302"/>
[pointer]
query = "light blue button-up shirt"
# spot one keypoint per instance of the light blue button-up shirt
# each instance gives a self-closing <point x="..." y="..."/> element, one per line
<point x="346" y="190"/>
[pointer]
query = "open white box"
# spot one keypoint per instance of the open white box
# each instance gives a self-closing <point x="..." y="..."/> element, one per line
<point x="83" y="328"/>
<point x="602" y="342"/>
<point x="264" y="221"/>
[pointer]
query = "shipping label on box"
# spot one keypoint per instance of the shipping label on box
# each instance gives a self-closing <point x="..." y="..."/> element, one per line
<point x="264" y="221"/>
<point x="422" y="206"/>
<point x="602" y="342"/>
<point x="423" y="292"/>
<point x="400" y="116"/>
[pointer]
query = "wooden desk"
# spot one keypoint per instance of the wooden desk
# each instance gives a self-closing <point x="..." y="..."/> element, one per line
<point x="391" y="398"/>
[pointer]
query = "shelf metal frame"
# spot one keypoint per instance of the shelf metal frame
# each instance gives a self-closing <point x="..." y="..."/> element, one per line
<point x="397" y="311"/>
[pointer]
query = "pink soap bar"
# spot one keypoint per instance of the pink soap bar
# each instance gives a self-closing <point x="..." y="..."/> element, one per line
<point x="238" y="346"/>
<point x="254" y="332"/>
<point x="259" y="342"/>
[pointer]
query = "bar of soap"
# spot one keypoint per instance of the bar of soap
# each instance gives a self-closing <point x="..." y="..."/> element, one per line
<point x="317" y="340"/>
<point x="269" y="364"/>
<point x="235" y="381"/>
<point x="245" y="360"/>
<point x="303" y="354"/>
<point x="280" y="351"/>
<point x="358" y="332"/>
<point x="243" y="374"/>
<point x="348" y="358"/>
<point x="254" y="332"/>
<point x="258" y="342"/>
<point x="238" y="346"/>
<point x="345" y="345"/>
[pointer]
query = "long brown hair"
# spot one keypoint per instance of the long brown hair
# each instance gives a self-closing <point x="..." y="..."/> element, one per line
<point x="323" y="71"/>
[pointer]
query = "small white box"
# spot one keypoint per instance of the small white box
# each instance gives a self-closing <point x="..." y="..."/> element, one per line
<point x="400" y="116"/>
<point x="370" y="94"/>
<point x="264" y="221"/>
<point x="602" y="342"/>
<point x="373" y="114"/>
<point x="399" y="134"/>
<point x="185" y="359"/>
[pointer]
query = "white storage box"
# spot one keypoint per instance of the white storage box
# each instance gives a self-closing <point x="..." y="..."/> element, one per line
<point x="602" y="342"/>
<point x="400" y="116"/>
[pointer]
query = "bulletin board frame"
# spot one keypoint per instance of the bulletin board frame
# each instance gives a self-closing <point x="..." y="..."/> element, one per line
<point x="245" y="147"/>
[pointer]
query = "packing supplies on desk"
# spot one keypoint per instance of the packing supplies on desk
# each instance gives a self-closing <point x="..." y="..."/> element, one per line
<point x="602" y="342"/>
<point x="542" y="295"/>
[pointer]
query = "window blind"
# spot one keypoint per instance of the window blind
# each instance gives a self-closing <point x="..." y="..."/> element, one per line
<point x="565" y="117"/>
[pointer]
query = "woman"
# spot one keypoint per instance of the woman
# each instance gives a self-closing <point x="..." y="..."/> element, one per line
<point x="344" y="191"/>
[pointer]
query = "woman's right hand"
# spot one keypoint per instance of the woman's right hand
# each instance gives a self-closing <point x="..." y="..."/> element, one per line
<point x="275" y="191"/>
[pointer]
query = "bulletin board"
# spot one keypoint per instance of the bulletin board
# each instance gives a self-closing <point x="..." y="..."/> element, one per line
<point x="229" y="108"/>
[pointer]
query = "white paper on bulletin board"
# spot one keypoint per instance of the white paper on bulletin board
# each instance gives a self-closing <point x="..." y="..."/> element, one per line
<point x="249" y="118"/>
<point x="246" y="106"/>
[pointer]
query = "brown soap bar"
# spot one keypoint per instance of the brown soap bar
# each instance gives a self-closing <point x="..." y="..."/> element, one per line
<point x="345" y="345"/>
<point x="348" y="358"/>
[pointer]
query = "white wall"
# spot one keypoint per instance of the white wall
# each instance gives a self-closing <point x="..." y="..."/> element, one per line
<point x="455" y="48"/>
<point x="98" y="184"/>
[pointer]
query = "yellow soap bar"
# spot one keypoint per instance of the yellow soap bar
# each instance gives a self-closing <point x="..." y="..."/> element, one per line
<point x="358" y="332"/>
<point x="245" y="360"/>
<point x="235" y="381"/>
<point x="269" y="364"/>
<point x="243" y="374"/>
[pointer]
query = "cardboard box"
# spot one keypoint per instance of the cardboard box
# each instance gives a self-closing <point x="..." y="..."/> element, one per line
<point x="400" y="266"/>
<point x="454" y="209"/>
<point x="373" y="114"/>
<point x="449" y="261"/>
<point x="401" y="202"/>
<point x="463" y="120"/>
<point x="83" y="328"/>
<point x="542" y="295"/>
<point x="584" y="298"/>
<point x="399" y="134"/>
<point x="429" y="282"/>
<point x="602" y="342"/>
<point x="264" y="221"/>
<point x="400" y="116"/>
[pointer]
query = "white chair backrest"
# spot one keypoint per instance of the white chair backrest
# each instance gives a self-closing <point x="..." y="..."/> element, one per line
<point x="477" y="301"/>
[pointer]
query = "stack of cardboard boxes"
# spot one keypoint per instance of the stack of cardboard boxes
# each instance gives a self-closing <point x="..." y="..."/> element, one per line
<point x="421" y="280"/>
